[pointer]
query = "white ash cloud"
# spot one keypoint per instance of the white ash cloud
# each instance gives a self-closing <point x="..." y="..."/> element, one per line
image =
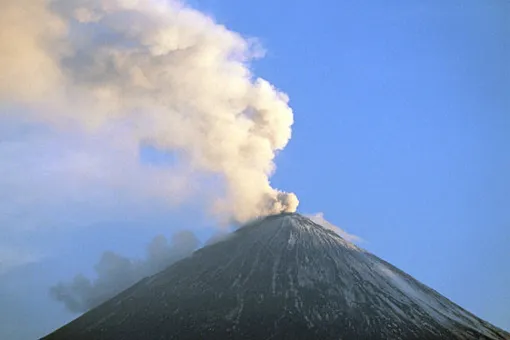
<point x="116" y="273"/>
<point x="167" y="74"/>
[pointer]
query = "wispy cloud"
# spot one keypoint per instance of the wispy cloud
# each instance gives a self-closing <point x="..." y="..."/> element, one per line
<point x="51" y="176"/>
<point x="319" y="219"/>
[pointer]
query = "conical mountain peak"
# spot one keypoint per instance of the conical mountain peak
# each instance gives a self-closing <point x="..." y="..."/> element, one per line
<point x="294" y="227"/>
<point x="280" y="277"/>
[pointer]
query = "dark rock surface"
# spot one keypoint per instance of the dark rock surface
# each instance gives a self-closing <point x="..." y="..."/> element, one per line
<point x="282" y="277"/>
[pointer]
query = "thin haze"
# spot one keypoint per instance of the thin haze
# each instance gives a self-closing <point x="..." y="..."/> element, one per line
<point x="115" y="272"/>
<point x="157" y="73"/>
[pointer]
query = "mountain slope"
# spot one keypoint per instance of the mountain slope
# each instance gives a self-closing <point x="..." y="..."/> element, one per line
<point x="282" y="277"/>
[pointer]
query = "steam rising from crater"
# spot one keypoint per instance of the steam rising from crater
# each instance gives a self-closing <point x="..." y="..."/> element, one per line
<point x="166" y="73"/>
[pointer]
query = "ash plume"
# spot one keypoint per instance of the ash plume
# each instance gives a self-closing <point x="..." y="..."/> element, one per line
<point x="116" y="272"/>
<point x="168" y="75"/>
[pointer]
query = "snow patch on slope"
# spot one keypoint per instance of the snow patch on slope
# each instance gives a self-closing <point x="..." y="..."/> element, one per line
<point x="441" y="311"/>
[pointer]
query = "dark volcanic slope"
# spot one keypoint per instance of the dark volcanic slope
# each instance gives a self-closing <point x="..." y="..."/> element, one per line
<point x="283" y="277"/>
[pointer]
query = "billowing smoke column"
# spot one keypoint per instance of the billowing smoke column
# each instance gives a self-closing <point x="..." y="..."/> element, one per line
<point x="169" y="75"/>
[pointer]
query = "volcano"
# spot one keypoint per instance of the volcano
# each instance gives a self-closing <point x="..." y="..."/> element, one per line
<point x="280" y="277"/>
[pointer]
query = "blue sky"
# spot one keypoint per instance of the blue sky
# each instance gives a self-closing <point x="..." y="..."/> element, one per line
<point x="401" y="136"/>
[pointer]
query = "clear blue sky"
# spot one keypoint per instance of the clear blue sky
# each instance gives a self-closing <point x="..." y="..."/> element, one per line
<point x="401" y="136"/>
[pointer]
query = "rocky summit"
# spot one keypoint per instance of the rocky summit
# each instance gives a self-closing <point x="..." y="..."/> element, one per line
<point x="280" y="277"/>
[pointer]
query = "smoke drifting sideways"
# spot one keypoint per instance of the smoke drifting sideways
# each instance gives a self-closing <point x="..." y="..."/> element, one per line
<point x="168" y="75"/>
<point x="116" y="273"/>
